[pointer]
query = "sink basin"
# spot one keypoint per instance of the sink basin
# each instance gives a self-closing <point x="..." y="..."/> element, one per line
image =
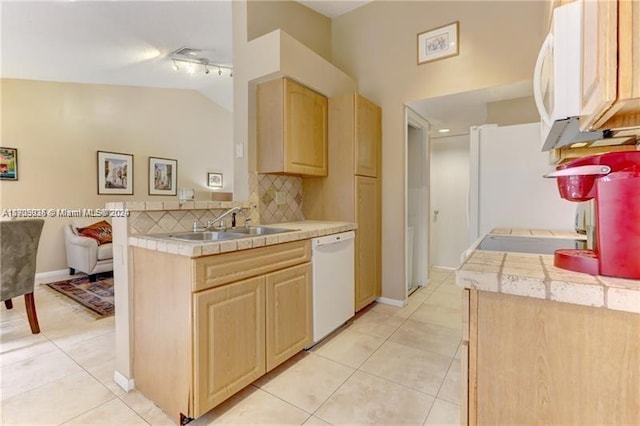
<point x="204" y="236"/>
<point x="257" y="230"/>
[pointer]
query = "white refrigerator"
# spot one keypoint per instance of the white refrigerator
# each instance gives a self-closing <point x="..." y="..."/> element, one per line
<point x="506" y="188"/>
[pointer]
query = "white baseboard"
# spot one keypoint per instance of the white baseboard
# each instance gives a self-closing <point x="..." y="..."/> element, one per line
<point x="392" y="302"/>
<point x="49" y="274"/>
<point x="444" y="268"/>
<point x="124" y="382"/>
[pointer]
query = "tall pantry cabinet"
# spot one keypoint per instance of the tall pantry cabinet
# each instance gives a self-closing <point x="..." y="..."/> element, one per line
<point x="352" y="190"/>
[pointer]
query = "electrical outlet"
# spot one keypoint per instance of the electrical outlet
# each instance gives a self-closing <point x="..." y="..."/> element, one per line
<point x="280" y="198"/>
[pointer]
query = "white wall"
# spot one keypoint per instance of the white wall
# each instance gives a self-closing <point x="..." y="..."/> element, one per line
<point x="449" y="190"/>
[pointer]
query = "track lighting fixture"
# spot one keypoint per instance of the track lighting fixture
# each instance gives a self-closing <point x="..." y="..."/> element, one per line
<point x="195" y="61"/>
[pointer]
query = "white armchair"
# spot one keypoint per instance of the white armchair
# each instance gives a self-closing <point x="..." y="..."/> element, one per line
<point x="84" y="254"/>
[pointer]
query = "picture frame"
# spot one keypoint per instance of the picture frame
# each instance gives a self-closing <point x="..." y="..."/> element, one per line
<point x="163" y="176"/>
<point x="8" y="163"/>
<point x="115" y="173"/>
<point x="214" y="180"/>
<point x="439" y="43"/>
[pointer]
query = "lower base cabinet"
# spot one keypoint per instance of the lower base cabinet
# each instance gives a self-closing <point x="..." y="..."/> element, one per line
<point x="532" y="361"/>
<point x="195" y="348"/>
<point x="229" y="341"/>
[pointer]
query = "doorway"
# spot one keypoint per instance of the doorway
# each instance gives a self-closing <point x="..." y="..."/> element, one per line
<point x="417" y="196"/>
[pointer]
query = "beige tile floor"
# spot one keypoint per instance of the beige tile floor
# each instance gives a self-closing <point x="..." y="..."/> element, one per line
<point x="387" y="366"/>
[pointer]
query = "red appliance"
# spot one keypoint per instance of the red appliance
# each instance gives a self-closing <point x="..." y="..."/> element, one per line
<point x="613" y="181"/>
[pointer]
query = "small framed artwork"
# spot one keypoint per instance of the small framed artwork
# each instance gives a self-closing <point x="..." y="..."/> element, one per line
<point x="439" y="43"/>
<point x="214" y="180"/>
<point x="163" y="174"/>
<point x="115" y="173"/>
<point x="8" y="163"/>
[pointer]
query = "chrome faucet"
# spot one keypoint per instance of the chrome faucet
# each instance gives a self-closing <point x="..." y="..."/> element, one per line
<point x="211" y="223"/>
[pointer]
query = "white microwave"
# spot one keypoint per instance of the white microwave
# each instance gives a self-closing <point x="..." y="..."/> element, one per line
<point x="558" y="71"/>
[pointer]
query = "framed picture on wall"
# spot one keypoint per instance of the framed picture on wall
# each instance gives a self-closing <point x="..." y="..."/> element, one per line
<point x="163" y="175"/>
<point x="438" y="43"/>
<point x="214" y="180"/>
<point x="115" y="173"/>
<point x="8" y="163"/>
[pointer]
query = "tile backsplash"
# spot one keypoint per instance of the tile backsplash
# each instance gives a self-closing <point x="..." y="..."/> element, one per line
<point x="157" y="222"/>
<point x="279" y="198"/>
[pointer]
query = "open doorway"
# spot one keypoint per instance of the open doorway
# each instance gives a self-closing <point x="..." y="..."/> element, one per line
<point x="417" y="196"/>
<point x="451" y="117"/>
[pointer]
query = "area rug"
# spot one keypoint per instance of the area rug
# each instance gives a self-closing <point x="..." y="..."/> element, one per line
<point x="97" y="296"/>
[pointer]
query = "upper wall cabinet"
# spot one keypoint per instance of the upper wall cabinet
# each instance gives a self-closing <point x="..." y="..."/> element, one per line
<point x="291" y="129"/>
<point x="368" y="137"/>
<point x="611" y="65"/>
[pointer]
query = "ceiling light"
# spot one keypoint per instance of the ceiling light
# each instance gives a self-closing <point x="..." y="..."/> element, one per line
<point x="194" y="62"/>
<point x="445" y="130"/>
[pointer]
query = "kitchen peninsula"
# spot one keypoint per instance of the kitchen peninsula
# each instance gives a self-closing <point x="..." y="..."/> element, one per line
<point x="543" y="345"/>
<point x="212" y="317"/>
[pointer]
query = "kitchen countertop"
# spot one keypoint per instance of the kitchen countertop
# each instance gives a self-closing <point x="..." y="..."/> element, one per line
<point x="300" y="231"/>
<point x="533" y="275"/>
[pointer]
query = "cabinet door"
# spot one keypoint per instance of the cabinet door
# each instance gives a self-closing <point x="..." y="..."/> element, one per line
<point x="305" y="132"/>
<point x="625" y="111"/>
<point x="289" y="313"/>
<point x="228" y="341"/>
<point x="368" y="137"/>
<point x="599" y="60"/>
<point x="368" y="284"/>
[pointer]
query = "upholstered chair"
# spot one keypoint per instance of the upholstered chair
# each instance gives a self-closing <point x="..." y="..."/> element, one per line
<point x="86" y="254"/>
<point x="19" y="241"/>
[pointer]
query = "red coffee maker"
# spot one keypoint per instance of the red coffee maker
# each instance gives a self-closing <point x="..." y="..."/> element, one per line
<point x="613" y="181"/>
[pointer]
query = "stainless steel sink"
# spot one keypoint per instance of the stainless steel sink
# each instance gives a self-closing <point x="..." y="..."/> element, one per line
<point x="204" y="236"/>
<point x="227" y="234"/>
<point x="257" y="230"/>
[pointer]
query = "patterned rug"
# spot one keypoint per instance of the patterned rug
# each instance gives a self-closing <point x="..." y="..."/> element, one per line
<point x="97" y="296"/>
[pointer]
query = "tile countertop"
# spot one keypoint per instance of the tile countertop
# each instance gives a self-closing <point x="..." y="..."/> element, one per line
<point x="533" y="275"/>
<point x="301" y="231"/>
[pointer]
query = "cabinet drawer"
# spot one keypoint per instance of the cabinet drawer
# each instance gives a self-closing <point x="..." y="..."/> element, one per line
<point x="225" y="268"/>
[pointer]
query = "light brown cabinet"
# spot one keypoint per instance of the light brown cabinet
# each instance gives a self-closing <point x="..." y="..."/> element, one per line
<point x="367" y="243"/>
<point x="289" y="307"/>
<point x="611" y="65"/>
<point x="352" y="190"/>
<point x="532" y="361"/>
<point x="229" y="341"/>
<point x="368" y="136"/>
<point x="291" y="129"/>
<point x="204" y="328"/>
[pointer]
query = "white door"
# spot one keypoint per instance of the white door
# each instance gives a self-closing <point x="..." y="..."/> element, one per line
<point x="417" y="202"/>
<point x="449" y="192"/>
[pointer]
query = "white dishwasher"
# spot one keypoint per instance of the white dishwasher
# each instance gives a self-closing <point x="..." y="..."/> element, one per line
<point x="333" y="282"/>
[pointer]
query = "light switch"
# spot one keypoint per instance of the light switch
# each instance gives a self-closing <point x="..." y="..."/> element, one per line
<point x="239" y="150"/>
<point x="280" y="198"/>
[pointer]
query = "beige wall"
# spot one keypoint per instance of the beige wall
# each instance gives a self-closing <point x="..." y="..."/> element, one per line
<point x="512" y="111"/>
<point x="304" y="24"/>
<point x="376" y="45"/>
<point x="58" y="127"/>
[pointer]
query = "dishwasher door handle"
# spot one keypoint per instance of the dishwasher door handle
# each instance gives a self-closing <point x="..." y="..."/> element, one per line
<point x="333" y="239"/>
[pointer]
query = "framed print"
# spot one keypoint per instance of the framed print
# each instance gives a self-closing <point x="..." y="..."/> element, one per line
<point x="214" y="180"/>
<point x="163" y="173"/>
<point x="115" y="173"/>
<point x="8" y="163"/>
<point x="439" y="43"/>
